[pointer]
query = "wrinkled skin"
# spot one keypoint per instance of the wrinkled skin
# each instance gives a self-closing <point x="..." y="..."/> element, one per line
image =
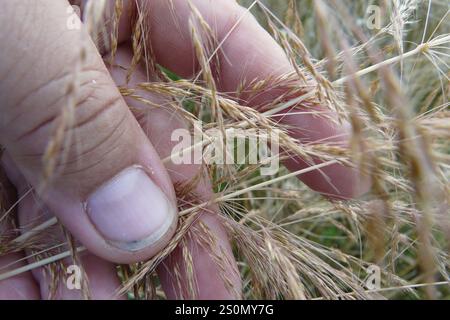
<point x="38" y="55"/>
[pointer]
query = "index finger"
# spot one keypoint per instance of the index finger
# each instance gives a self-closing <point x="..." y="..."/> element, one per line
<point x="248" y="54"/>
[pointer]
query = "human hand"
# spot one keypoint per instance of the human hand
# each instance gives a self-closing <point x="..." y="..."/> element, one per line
<point x="112" y="191"/>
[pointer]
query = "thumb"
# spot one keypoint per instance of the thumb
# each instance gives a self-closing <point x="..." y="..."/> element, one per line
<point x="111" y="189"/>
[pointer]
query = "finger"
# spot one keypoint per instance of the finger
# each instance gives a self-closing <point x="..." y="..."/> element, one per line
<point x="249" y="54"/>
<point x="115" y="22"/>
<point x="101" y="276"/>
<point x="22" y="286"/>
<point x="215" y="274"/>
<point x="214" y="267"/>
<point x="75" y="140"/>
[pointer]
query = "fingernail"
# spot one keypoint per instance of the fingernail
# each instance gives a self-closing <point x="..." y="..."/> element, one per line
<point x="131" y="212"/>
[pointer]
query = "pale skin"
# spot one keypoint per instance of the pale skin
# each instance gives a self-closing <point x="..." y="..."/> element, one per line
<point x="38" y="52"/>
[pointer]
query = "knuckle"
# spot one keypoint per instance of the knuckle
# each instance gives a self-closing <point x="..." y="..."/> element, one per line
<point x="90" y="109"/>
